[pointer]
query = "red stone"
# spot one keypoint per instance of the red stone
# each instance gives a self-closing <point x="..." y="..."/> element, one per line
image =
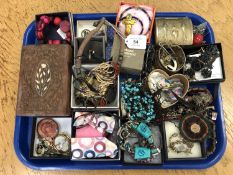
<point x="46" y="20"/>
<point x="39" y="35"/>
<point x="198" y="39"/>
<point x="68" y="39"/>
<point x="65" y="26"/>
<point x="42" y="17"/>
<point x="57" y="21"/>
<point x="56" y="42"/>
<point x="50" y="41"/>
<point x="40" y="26"/>
<point x="68" y="35"/>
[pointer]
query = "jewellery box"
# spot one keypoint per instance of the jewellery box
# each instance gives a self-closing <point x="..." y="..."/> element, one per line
<point x="55" y="28"/>
<point x="94" y="52"/>
<point x="213" y="52"/>
<point x="44" y="77"/>
<point x="60" y="130"/>
<point x="24" y="125"/>
<point x="172" y="139"/>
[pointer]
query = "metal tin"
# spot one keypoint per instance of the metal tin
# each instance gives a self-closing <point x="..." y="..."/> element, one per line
<point x="174" y="31"/>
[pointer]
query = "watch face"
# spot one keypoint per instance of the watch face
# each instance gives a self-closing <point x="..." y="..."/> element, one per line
<point x="62" y="143"/>
<point x="47" y="128"/>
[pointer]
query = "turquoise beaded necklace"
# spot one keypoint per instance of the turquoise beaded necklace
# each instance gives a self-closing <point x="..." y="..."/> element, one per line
<point x="138" y="103"/>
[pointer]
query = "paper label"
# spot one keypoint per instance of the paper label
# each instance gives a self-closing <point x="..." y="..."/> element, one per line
<point x="136" y="41"/>
<point x="61" y="33"/>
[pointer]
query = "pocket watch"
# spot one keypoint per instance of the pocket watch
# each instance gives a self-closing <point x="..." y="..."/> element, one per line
<point x="62" y="142"/>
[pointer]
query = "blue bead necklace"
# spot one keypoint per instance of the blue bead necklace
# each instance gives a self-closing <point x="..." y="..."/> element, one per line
<point x="138" y="104"/>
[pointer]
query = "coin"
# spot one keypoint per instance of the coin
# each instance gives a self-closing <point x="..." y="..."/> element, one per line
<point x="47" y="128"/>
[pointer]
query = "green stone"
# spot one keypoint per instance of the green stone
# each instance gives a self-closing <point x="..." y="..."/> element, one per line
<point x="144" y="130"/>
<point x="141" y="153"/>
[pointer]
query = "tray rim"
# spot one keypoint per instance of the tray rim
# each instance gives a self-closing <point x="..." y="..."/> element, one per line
<point x="205" y="165"/>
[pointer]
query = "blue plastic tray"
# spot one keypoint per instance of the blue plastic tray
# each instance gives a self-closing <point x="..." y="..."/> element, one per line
<point x="23" y="125"/>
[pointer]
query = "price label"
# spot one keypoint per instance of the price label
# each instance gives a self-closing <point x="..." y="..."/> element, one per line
<point x="61" y="33"/>
<point x="136" y="41"/>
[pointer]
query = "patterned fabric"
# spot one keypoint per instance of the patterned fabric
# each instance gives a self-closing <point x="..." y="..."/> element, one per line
<point x="101" y="122"/>
<point x="88" y="131"/>
<point x="95" y="147"/>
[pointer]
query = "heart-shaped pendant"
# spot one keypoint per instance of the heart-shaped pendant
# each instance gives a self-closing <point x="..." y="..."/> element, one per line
<point x="166" y="88"/>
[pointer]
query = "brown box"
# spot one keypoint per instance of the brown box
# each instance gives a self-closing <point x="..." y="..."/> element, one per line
<point x="44" y="80"/>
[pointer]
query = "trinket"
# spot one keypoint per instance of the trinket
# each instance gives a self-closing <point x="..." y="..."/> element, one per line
<point x="138" y="103"/>
<point x="204" y="64"/>
<point x="197" y="100"/>
<point x="47" y="128"/>
<point x="62" y="142"/>
<point x="128" y="22"/>
<point x="166" y="88"/>
<point x="143" y="154"/>
<point x="144" y="150"/>
<point x="60" y="146"/>
<point x="65" y="26"/>
<point x="194" y="128"/>
<point x="179" y="144"/>
<point x="199" y="31"/>
<point x="174" y="31"/>
<point x="53" y="29"/>
<point x="171" y="58"/>
<point x="93" y="88"/>
<point x="57" y="21"/>
<point x="135" y="19"/>
<point x="197" y="129"/>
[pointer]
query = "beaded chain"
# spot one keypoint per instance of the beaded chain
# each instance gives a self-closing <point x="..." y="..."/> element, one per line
<point x="96" y="84"/>
<point x="138" y="104"/>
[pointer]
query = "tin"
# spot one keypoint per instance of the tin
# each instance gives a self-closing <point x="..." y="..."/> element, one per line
<point x="174" y="31"/>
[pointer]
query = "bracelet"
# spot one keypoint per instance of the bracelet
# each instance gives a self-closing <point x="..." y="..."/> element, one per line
<point x="143" y="150"/>
<point x="180" y="145"/>
<point x="59" y="146"/>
